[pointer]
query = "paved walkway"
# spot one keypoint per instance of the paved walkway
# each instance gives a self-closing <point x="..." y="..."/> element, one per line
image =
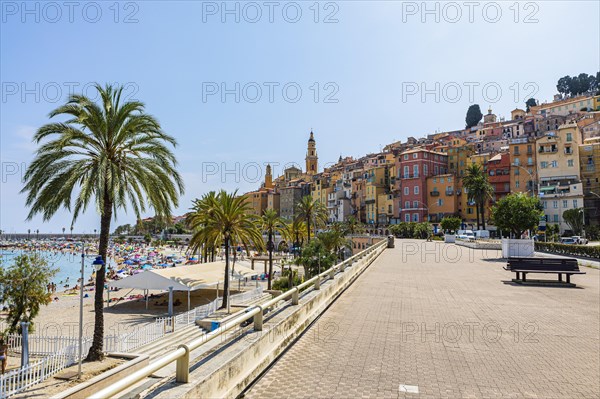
<point x="446" y="322"/>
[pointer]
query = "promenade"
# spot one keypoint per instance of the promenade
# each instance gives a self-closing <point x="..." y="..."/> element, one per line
<point x="434" y="320"/>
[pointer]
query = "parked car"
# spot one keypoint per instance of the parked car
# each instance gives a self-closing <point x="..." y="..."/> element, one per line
<point x="467" y="235"/>
<point x="568" y="241"/>
<point x="580" y="240"/>
<point x="482" y="233"/>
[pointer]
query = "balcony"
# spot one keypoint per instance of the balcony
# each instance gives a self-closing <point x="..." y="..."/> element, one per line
<point x="568" y="151"/>
<point x="547" y="150"/>
<point x="434" y="193"/>
<point x="449" y="192"/>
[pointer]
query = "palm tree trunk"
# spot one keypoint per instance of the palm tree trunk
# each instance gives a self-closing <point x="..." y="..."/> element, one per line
<point x="308" y="227"/>
<point x="226" y="282"/>
<point x="477" y="214"/>
<point x="96" y="350"/>
<point x="270" y="259"/>
<point x="483" y="214"/>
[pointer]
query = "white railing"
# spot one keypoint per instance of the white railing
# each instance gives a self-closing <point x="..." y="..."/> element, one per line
<point x="62" y="352"/>
<point x="181" y="355"/>
<point x="16" y="381"/>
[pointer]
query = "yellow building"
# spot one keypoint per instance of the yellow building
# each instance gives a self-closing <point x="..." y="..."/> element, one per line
<point x="522" y="165"/>
<point x="273" y="201"/>
<point x="567" y="106"/>
<point x="378" y="184"/>
<point x="558" y="170"/>
<point x="258" y="201"/>
<point x="442" y="198"/>
<point x="385" y="204"/>
<point x="589" y="161"/>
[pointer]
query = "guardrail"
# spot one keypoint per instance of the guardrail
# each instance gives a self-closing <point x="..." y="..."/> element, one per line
<point x="182" y="354"/>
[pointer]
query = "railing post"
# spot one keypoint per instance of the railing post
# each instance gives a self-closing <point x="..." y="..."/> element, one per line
<point x="332" y="273"/>
<point x="343" y="266"/>
<point x="258" y="320"/>
<point x="182" y="371"/>
<point x="318" y="283"/>
<point x="295" y="296"/>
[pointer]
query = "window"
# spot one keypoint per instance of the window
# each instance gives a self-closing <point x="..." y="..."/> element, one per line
<point x="406" y="172"/>
<point x="435" y="180"/>
<point x="575" y="203"/>
<point x="435" y="169"/>
<point x="449" y="179"/>
<point x="425" y="155"/>
<point x="517" y="184"/>
<point x="565" y="204"/>
<point x="441" y="180"/>
<point x="415" y="155"/>
<point x="405" y="157"/>
<point x="554" y="164"/>
<point x="544" y="164"/>
<point x="406" y="190"/>
<point x="415" y="204"/>
<point x="570" y="163"/>
<point x="416" y="190"/>
<point x="425" y="170"/>
<point x="516" y="172"/>
<point x="407" y="204"/>
<point x="440" y="202"/>
<point x="415" y="170"/>
<point x="555" y="204"/>
<point x="569" y="137"/>
<point x="555" y="218"/>
<point x="415" y="217"/>
<point x="407" y="217"/>
<point x="517" y="161"/>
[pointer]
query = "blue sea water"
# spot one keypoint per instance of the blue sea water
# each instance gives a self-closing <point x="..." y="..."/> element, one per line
<point x="67" y="264"/>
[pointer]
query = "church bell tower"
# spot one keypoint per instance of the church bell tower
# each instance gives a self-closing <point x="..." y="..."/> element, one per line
<point x="312" y="160"/>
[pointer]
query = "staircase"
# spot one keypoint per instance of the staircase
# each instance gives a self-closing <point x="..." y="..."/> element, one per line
<point x="171" y="341"/>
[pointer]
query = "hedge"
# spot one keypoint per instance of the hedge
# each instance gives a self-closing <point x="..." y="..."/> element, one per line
<point x="566" y="249"/>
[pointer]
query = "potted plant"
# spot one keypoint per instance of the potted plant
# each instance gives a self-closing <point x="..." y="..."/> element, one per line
<point x="450" y="224"/>
<point x="516" y="214"/>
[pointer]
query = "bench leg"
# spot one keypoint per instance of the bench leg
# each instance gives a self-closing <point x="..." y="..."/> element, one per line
<point x="517" y="276"/>
<point x="560" y="277"/>
<point x="524" y="276"/>
<point x="569" y="278"/>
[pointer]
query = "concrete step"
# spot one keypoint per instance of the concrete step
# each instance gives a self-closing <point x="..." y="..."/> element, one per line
<point x="179" y="336"/>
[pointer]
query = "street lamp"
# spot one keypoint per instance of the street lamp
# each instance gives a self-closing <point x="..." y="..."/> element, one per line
<point x="98" y="263"/>
<point x="530" y="176"/>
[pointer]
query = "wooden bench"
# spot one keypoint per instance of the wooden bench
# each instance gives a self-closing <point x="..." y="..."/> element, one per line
<point x="560" y="266"/>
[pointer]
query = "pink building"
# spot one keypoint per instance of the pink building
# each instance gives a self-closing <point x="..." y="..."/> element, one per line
<point x="413" y="168"/>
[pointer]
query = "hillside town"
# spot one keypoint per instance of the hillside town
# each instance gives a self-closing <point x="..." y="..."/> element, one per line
<point x="552" y="150"/>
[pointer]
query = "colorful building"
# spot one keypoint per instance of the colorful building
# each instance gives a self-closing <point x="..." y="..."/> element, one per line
<point x="589" y="163"/>
<point x="442" y="198"/>
<point x="560" y="186"/>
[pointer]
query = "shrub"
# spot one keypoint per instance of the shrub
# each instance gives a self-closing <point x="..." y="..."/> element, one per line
<point x="566" y="249"/>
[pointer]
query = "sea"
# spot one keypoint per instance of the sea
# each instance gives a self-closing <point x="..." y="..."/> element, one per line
<point x="68" y="265"/>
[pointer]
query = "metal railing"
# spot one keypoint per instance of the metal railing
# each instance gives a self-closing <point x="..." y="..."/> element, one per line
<point x="182" y="354"/>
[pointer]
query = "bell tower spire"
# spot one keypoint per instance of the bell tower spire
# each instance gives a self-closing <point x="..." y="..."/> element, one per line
<point x="312" y="160"/>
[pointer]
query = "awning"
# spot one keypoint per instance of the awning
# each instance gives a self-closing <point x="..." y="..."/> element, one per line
<point x="547" y="188"/>
<point x="183" y="278"/>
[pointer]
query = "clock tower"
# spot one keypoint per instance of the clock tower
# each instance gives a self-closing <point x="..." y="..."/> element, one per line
<point x="312" y="160"/>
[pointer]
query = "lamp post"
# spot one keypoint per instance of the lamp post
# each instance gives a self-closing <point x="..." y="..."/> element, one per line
<point x="98" y="263"/>
<point x="530" y="176"/>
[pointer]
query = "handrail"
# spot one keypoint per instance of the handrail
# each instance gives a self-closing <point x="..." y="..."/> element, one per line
<point x="182" y="353"/>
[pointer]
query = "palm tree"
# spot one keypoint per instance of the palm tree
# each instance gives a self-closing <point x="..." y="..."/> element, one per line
<point x="223" y="218"/>
<point x="107" y="154"/>
<point x="312" y="211"/>
<point x="479" y="190"/>
<point x="334" y="240"/>
<point x="296" y="232"/>
<point x="271" y="223"/>
<point x="352" y="226"/>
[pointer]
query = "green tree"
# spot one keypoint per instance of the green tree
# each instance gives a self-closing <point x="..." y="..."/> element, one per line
<point x="24" y="288"/>
<point x="334" y="240"/>
<point x="532" y="102"/>
<point x="313" y="212"/>
<point x="224" y="219"/>
<point x="563" y="86"/>
<point x="297" y="232"/>
<point x="474" y="116"/>
<point x="271" y="223"/>
<point x="451" y="223"/>
<point x="574" y="218"/>
<point x="316" y="258"/>
<point x="352" y="226"/>
<point x="109" y="154"/>
<point x="517" y="213"/>
<point x="479" y="190"/>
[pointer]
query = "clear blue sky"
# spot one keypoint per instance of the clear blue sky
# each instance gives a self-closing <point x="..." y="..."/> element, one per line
<point x="369" y="63"/>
